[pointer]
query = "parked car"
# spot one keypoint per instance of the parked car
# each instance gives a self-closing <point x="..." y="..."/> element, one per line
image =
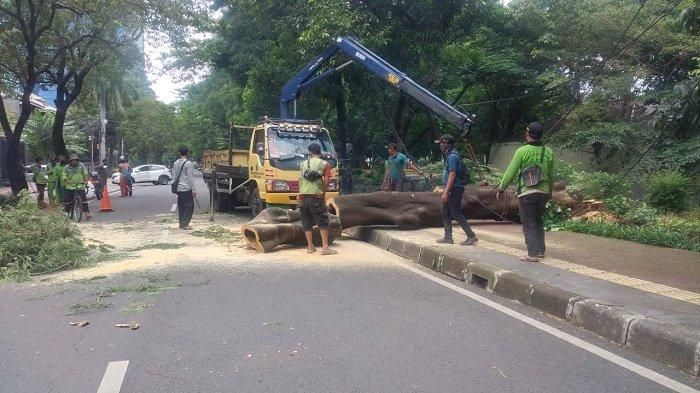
<point x="156" y="174"/>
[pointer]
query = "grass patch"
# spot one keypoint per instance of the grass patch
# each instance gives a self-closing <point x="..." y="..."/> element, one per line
<point x="146" y="289"/>
<point x="91" y="279"/>
<point x="159" y="246"/>
<point x="80" y="308"/>
<point x="218" y="233"/>
<point x="134" y="307"/>
<point x="658" y="234"/>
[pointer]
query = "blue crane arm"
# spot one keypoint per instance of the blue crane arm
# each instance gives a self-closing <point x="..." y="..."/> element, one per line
<point x="378" y="66"/>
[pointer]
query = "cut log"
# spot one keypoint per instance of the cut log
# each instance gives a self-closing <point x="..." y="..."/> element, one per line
<point x="275" y="226"/>
<point x="411" y="210"/>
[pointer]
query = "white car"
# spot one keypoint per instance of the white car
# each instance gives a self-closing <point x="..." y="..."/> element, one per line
<point x="156" y="174"/>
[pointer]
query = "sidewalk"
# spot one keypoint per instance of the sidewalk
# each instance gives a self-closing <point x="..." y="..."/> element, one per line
<point x="644" y="298"/>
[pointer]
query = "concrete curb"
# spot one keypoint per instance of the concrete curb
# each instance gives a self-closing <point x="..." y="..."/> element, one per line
<point x="672" y="345"/>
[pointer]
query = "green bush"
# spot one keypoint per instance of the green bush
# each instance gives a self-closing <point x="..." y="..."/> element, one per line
<point x="563" y="171"/>
<point x="556" y="216"/>
<point x="34" y="241"/>
<point x="669" y="191"/>
<point x="634" y="212"/>
<point x="674" y="233"/>
<point x="599" y="185"/>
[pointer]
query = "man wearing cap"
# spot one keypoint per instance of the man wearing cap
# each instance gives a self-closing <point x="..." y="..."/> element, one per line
<point x="532" y="164"/>
<point x="314" y="176"/>
<point x="453" y="189"/>
<point x="75" y="180"/>
<point x="395" y="165"/>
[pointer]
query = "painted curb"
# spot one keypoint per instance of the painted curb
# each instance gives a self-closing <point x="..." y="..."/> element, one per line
<point x="672" y="345"/>
<point x="666" y="343"/>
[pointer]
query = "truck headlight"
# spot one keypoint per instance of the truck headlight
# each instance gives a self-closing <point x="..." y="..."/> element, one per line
<point x="332" y="185"/>
<point x="276" y="186"/>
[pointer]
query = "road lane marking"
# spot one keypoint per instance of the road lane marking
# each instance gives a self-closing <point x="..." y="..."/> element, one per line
<point x="113" y="378"/>
<point x="609" y="356"/>
<point x="173" y="208"/>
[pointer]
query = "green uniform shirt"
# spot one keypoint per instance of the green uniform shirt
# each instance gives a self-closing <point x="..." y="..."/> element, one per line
<point x="525" y="156"/>
<point x="308" y="187"/>
<point x="74" y="178"/>
<point x="58" y="173"/>
<point x="39" y="174"/>
<point x="52" y="178"/>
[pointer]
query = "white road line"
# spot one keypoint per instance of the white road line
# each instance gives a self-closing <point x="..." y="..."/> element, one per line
<point x="609" y="356"/>
<point x="113" y="378"/>
<point x="173" y="208"/>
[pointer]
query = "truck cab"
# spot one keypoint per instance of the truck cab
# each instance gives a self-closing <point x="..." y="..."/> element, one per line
<point x="271" y="173"/>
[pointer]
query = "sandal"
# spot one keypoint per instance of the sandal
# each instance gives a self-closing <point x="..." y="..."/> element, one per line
<point x="328" y="252"/>
<point x="310" y="251"/>
<point x="527" y="258"/>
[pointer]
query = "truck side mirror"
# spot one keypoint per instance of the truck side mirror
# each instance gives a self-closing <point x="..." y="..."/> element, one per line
<point x="260" y="149"/>
<point x="348" y="149"/>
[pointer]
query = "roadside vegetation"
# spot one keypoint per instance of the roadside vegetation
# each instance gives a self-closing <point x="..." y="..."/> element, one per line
<point x="34" y="241"/>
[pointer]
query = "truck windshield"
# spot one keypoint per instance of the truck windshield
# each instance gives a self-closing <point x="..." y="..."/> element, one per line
<point x="288" y="149"/>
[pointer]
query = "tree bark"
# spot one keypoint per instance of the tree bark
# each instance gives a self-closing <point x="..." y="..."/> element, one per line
<point x="275" y="226"/>
<point x="59" y="144"/>
<point x="341" y="114"/>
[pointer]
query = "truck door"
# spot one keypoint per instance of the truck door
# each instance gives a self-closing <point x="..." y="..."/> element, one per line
<point x="256" y="158"/>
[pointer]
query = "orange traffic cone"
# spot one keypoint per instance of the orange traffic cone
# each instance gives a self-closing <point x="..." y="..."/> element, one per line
<point x="105" y="205"/>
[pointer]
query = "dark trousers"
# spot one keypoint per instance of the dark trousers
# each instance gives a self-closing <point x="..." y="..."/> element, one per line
<point x="40" y="188"/>
<point x="185" y="207"/>
<point x="452" y="210"/>
<point x="532" y="209"/>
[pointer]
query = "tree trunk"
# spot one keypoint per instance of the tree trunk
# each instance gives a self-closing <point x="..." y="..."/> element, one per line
<point x="275" y="226"/>
<point x="400" y="118"/>
<point x="412" y="210"/>
<point x="59" y="144"/>
<point x="13" y="163"/>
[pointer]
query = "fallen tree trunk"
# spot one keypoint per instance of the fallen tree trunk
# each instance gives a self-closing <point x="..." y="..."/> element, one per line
<point x="411" y="210"/>
<point x="407" y="210"/>
<point x="275" y="226"/>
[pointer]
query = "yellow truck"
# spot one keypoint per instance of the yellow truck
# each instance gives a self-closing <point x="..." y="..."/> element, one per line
<point x="267" y="173"/>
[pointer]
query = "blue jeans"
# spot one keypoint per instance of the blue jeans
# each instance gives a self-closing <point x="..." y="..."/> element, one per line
<point x="452" y="210"/>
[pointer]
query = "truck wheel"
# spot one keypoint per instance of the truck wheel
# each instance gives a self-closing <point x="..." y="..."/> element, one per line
<point x="256" y="204"/>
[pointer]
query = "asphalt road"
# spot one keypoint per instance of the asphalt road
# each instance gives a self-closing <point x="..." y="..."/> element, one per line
<point x="147" y="200"/>
<point x="361" y="321"/>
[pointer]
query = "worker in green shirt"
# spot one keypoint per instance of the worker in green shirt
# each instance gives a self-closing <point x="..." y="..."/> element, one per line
<point x="40" y="179"/>
<point x="313" y="179"/>
<point x="58" y="174"/>
<point x="532" y="165"/>
<point x="75" y="180"/>
<point x="52" y="181"/>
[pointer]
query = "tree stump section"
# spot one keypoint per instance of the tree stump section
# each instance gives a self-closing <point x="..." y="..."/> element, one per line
<point x="275" y="226"/>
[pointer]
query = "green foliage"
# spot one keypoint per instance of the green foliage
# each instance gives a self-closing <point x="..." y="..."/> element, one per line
<point x="669" y="191"/>
<point x="563" y="171"/>
<point x="556" y="216"/>
<point x="35" y="241"/>
<point x="599" y="185"/>
<point x="680" y="234"/>
<point x="634" y="212"/>
<point x="147" y="128"/>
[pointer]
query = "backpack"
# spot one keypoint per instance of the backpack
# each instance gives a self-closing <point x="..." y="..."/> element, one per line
<point x="532" y="174"/>
<point x="464" y="170"/>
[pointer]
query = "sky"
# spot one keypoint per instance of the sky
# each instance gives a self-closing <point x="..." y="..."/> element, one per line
<point x="164" y="84"/>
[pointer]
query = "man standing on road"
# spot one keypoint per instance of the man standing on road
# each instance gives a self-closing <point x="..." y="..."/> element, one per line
<point x="40" y="180"/>
<point x="395" y="165"/>
<point x="314" y="175"/>
<point x="184" y="172"/>
<point x="75" y="180"/>
<point x="453" y="189"/>
<point x="532" y="164"/>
